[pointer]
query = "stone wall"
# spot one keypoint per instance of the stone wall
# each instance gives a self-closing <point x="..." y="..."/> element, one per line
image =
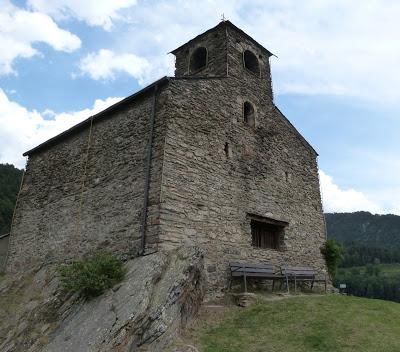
<point x="209" y="171"/>
<point x="216" y="45"/>
<point x="270" y="170"/>
<point x="248" y="81"/>
<point x="57" y="221"/>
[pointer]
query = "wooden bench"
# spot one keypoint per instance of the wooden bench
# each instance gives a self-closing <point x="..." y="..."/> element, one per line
<point x="302" y="274"/>
<point x="257" y="271"/>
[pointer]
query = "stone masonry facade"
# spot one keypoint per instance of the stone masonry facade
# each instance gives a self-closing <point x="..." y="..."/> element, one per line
<point x="177" y="163"/>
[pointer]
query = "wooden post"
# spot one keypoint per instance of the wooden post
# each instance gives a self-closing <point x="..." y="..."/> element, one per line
<point x="244" y="278"/>
<point x="287" y="282"/>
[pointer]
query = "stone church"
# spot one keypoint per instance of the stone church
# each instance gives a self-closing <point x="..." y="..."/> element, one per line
<point x="204" y="157"/>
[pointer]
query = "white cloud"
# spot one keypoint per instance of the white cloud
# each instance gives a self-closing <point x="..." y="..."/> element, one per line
<point x="380" y="201"/>
<point x="104" y="64"/>
<point x="21" y="129"/>
<point x="335" y="47"/>
<point x="339" y="200"/>
<point x="331" y="47"/>
<point x="395" y="210"/>
<point x="93" y="12"/>
<point x="19" y="29"/>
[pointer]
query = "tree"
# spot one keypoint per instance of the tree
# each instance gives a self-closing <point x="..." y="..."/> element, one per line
<point x="333" y="254"/>
<point x="10" y="178"/>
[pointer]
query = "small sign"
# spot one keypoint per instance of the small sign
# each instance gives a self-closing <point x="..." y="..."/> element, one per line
<point x="342" y="286"/>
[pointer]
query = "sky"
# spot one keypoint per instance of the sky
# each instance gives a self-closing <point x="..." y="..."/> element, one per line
<point x="335" y="75"/>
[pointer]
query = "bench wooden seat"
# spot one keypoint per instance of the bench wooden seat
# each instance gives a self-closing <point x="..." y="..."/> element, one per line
<point x="302" y="274"/>
<point x="260" y="271"/>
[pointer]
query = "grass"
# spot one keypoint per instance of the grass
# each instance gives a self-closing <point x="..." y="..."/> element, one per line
<point x="92" y="276"/>
<point x="387" y="270"/>
<point x="307" y="324"/>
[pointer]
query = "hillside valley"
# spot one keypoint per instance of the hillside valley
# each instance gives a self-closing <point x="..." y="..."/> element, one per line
<point x="364" y="229"/>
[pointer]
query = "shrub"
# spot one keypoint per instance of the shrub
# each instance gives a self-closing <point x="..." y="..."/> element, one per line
<point x="92" y="276"/>
<point x="333" y="254"/>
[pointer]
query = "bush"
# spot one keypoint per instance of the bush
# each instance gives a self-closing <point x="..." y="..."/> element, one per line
<point x="92" y="276"/>
<point x="333" y="254"/>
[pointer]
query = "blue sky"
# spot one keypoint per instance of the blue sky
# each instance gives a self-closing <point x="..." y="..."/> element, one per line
<point x="336" y="76"/>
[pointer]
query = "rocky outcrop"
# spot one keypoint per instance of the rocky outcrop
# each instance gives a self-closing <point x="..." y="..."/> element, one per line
<point x="159" y="296"/>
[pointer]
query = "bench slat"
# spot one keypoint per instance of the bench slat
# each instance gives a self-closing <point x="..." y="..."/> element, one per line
<point x="298" y="278"/>
<point x="260" y="275"/>
<point x="264" y="271"/>
<point x="254" y="270"/>
<point x="299" y="273"/>
<point x="297" y="267"/>
<point x="250" y="265"/>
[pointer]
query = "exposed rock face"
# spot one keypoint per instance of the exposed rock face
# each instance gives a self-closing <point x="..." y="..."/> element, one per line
<point x="159" y="295"/>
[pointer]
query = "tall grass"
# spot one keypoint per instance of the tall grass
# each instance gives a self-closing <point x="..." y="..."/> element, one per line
<point x="92" y="276"/>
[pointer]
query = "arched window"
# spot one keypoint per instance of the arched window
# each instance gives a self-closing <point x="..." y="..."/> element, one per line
<point x="250" y="61"/>
<point x="249" y="114"/>
<point x="198" y="60"/>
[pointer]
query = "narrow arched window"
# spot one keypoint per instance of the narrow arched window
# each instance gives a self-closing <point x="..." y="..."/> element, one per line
<point x="198" y="60"/>
<point x="228" y="151"/>
<point x="250" y="62"/>
<point x="249" y="114"/>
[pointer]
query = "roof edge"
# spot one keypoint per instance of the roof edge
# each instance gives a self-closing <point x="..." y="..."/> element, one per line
<point x="223" y="23"/>
<point x="305" y="142"/>
<point x="86" y="122"/>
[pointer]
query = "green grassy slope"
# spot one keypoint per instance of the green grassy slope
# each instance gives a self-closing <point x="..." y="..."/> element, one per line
<point x="307" y="324"/>
<point x="389" y="269"/>
<point x="386" y="270"/>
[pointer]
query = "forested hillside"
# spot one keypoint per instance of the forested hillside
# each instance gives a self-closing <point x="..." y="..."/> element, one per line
<point x="364" y="229"/>
<point x="371" y="253"/>
<point x="10" y="178"/>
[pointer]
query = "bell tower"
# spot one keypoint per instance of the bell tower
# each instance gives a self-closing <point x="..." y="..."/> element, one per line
<point x="204" y="55"/>
<point x="224" y="51"/>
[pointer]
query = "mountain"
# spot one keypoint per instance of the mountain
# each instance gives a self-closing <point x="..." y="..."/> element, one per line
<point x="364" y="229"/>
<point x="10" y="179"/>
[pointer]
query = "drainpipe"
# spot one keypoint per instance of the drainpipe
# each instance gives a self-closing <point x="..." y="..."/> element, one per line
<point x="147" y="174"/>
